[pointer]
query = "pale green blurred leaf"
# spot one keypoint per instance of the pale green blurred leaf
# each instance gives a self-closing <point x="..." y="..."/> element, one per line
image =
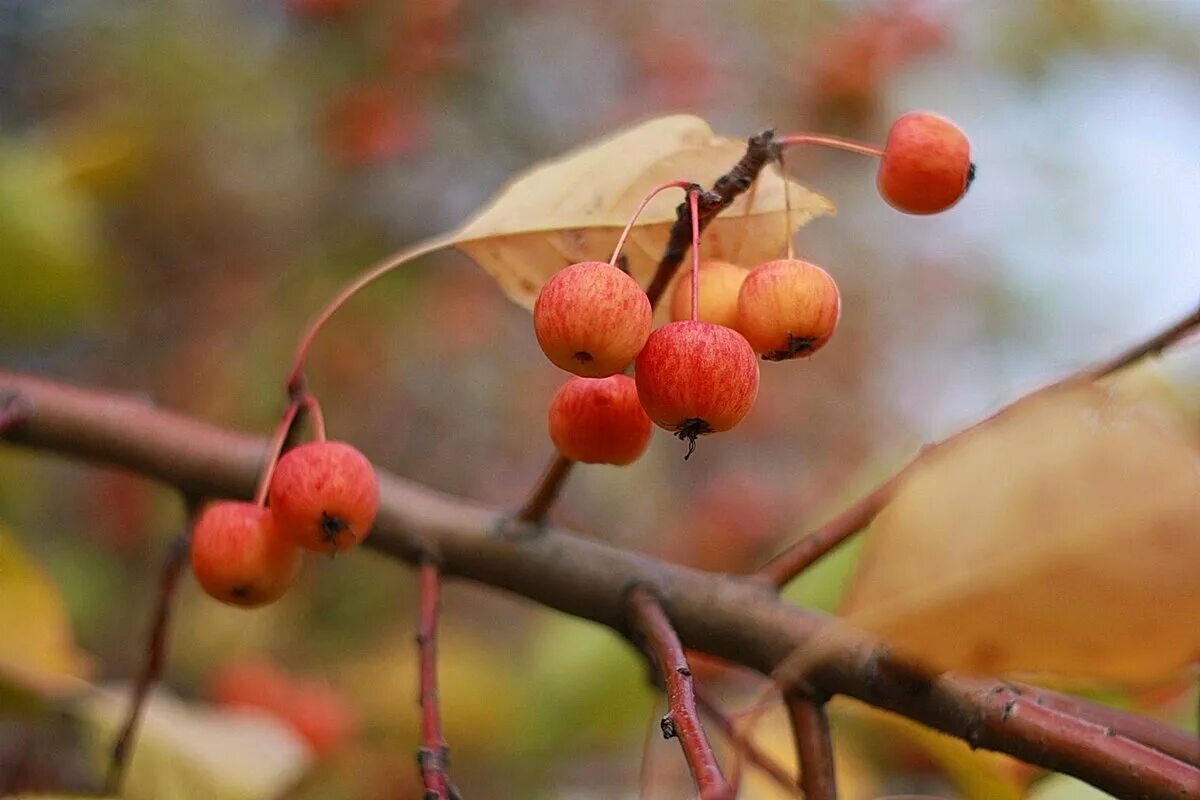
<point x="193" y="752"/>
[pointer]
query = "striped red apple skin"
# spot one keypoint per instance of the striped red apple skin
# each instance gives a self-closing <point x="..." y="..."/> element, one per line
<point x="591" y="319"/>
<point x="698" y="375"/>
<point x="599" y="420"/>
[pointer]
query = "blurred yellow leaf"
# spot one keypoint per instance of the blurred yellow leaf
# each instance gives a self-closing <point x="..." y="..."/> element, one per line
<point x="573" y="208"/>
<point x="37" y="648"/>
<point x="1062" y="538"/>
<point x="1062" y="787"/>
<point x="191" y="752"/>
<point x="977" y="774"/>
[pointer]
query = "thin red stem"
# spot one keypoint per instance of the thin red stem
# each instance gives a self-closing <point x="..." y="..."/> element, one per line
<point x="805" y="552"/>
<point x="814" y="747"/>
<point x="434" y="755"/>
<point x="682" y="720"/>
<point x="318" y="419"/>
<point x="152" y="664"/>
<point x="662" y="187"/>
<point x="277" y="440"/>
<point x="836" y="142"/>
<point x="547" y="490"/>
<point x="694" y="207"/>
<point x="787" y="208"/>
<point x="295" y="380"/>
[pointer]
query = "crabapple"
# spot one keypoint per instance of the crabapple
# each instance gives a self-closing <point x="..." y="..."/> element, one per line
<point x="788" y="308"/>
<point x="591" y="319"/>
<point x="926" y="165"/>
<point x="240" y="557"/>
<point x="719" y="285"/>
<point x="324" y="496"/>
<point x="599" y="420"/>
<point x="695" y="378"/>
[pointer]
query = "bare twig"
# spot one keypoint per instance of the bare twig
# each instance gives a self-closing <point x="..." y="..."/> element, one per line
<point x="682" y="721"/>
<point x="760" y="150"/>
<point x="814" y="748"/>
<point x="803" y="553"/>
<point x="155" y="656"/>
<point x="725" y="616"/>
<point x="743" y="744"/>
<point x="434" y="755"/>
<point x="1172" y="741"/>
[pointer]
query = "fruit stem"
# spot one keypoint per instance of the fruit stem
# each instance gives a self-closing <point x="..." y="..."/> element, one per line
<point x="662" y="187"/>
<point x="836" y="142"/>
<point x="789" y="236"/>
<point x="295" y="380"/>
<point x="694" y="209"/>
<point x="281" y="433"/>
<point x="318" y="419"/>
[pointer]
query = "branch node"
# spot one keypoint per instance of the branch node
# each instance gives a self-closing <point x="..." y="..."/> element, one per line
<point x="668" y="727"/>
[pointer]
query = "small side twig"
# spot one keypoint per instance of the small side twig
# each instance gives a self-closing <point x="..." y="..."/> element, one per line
<point x="433" y="757"/>
<point x="814" y="747"/>
<point x="806" y="551"/>
<point x="682" y="721"/>
<point x="546" y="491"/>
<point x="12" y="412"/>
<point x="743" y="744"/>
<point x="155" y="656"/>
<point x="1166" y="739"/>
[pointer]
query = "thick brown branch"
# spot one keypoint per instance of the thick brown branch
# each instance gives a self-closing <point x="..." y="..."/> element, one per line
<point x="155" y="658"/>
<point x="814" y="747"/>
<point x="802" y="554"/>
<point x="651" y="626"/>
<point x="434" y="755"/>
<point x="733" y="618"/>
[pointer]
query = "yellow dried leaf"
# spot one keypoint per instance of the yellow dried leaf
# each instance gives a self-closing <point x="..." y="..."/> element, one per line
<point x="1062" y="538"/>
<point x="573" y="208"/>
<point x="37" y="648"/>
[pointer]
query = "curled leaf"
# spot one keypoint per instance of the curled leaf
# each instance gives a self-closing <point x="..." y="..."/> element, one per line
<point x="573" y="208"/>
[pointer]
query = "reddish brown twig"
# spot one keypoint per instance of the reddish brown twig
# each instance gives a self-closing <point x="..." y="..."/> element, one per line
<point x="742" y="743"/>
<point x="682" y="721"/>
<point x="725" y="616"/>
<point x="814" y="747"/>
<point x="803" y="553"/>
<point x="434" y="756"/>
<point x="760" y="150"/>
<point x="1172" y="741"/>
<point x="12" y="412"/>
<point x="155" y="657"/>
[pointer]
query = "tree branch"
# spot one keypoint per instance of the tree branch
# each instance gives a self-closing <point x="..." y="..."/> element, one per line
<point x="734" y="618"/>
<point x="803" y="553"/>
<point x="434" y="755"/>
<point x="814" y="747"/>
<point x="653" y="628"/>
<point x="155" y="658"/>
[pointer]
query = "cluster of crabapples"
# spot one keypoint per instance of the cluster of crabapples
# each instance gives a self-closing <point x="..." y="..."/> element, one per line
<point x="322" y="497"/>
<point x="699" y="373"/>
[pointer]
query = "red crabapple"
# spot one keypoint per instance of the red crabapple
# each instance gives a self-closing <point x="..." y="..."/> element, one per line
<point x="599" y="420"/>
<point x="719" y="285"/>
<point x="788" y="308"/>
<point x="240" y="557"/>
<point x="591" y="319"/>
<point x="926" y="165"/>
<point x="695" y="378"/>
<point x="324" y="496"/>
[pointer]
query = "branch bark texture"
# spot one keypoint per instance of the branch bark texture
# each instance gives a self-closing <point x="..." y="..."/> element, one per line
<point x="736" y="618"/>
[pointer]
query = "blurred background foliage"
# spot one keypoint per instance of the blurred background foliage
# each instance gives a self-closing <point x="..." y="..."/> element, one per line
<point x="182" y="184"/>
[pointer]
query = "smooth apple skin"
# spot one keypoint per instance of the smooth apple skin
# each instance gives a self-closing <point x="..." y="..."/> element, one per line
<point x="926" y="165"/>
<point x="599" y="420"/>
<point x="788" y="309"/>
